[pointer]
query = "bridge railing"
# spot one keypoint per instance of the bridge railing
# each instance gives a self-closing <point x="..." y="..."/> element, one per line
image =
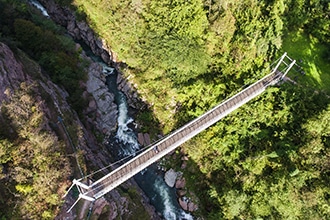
<point x="176" y="138"/>
<point x="166" y="145"/>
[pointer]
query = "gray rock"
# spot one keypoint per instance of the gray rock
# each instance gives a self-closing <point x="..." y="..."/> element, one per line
<point x="180" y="183"/>
<point x="71" y="26"/>
<point x="170" y="177"/>
<point x="183" y="203"/>
<point x="184" y="165"/>
<point x="99" y="43"/>
<point x="181" y="192"/>
<point x="82" y="26"/>
<point x="92" y="105"/>
<point x="11" y="72"/>
<point x="192" y="207"/>
<point x="140" y="139"/>
<point x="106" y="109"/>
<point x="146" y="137"/>
<point x="105" y="56"/>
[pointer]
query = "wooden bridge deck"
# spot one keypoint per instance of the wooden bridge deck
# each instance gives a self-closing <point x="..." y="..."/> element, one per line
<point x="172" y="141"/>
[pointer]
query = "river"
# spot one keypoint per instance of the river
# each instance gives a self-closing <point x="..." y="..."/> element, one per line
<point x="125" y="143"/>
<point x="150" y="180"/>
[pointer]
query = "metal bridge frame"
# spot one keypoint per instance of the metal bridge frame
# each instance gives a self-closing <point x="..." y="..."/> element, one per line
<point x="157" y="150"/>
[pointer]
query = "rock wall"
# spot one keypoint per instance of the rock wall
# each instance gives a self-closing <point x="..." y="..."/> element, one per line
<point x="79" y="30"/>
<point x="14" y="72"/>
<point x="11" y="73"/>
<point x="101" y="111"/>
<point x="133" y="98"/>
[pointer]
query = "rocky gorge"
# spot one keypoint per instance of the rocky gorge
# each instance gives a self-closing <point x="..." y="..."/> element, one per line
<point x="102" y="109"/>
<point x="81" y="31"/>
<point x="17" y="68"/>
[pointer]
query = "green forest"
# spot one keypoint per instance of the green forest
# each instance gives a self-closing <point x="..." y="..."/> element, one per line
<point x="270" y="159"/>
<point x="34" y="167"/>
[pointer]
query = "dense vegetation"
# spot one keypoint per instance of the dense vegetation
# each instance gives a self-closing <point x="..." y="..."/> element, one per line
<point x="269" y="159"/>
<point x="21" y="26"/>
<point x="33" y="167"/>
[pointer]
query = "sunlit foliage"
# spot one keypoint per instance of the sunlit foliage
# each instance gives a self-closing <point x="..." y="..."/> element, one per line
<point x="269" y="159"/>
<point x="36" y="168"/>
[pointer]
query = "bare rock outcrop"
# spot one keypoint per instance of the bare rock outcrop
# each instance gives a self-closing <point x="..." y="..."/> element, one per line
<point x="170" y="177"/>
<point x="11" y="72"/>
<point x="102" y="103"/>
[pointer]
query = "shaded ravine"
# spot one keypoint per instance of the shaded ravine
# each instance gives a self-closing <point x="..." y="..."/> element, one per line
<point x="151" y="181"/>
<point x="124" y="143"/>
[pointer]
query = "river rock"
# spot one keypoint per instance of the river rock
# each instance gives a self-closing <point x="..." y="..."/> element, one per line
<point x="187" y="205"/>
<point x="106" y="109"/>
<point x="181" y="192"/>
<point x="170" y="177"/>
<point x="184" y="165"/>
<point x="192" y="207"/>
<point x="140" y="139"/>
<point x="185" y="158"/>
<point x="183" y="203"/>
<point x="146" y="137"/>
<point x="92" y="105"/>
<point x="180" y="183"/>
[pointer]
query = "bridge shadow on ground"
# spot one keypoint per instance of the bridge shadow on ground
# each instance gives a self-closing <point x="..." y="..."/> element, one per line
<point x="259" y="145"/>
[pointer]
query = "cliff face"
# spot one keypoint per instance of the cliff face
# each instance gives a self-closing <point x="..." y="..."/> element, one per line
<point x="17" y="69"/>
<point x="20" y="76"/>
<point x="80" y="30"/>
<point x="18" y="72"/>
<point x="11" y="73"/>
<point x="32" y="153"/>
<point x="31" y="103"/>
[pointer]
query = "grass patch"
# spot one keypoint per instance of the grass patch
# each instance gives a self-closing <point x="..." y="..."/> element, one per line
<point x="308" y="52"/>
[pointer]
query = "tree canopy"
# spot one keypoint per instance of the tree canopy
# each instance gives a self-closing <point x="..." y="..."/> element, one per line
<point x="269" y="159"/>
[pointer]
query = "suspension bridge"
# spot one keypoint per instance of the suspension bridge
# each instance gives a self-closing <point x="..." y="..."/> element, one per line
<point x="156" y="151"/>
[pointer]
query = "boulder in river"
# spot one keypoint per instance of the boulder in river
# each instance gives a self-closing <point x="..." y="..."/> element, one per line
<point x="170" y="177"/>
<point x="183" y="203"/>
<point x="103" y="100"/>
<point x="140" y="139"/>
<point x="146" y="139"/>
<point x="187" y="205"/>
<point x="180" y="183"/>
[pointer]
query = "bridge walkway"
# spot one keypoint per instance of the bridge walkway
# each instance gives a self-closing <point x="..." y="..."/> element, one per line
<point x="171" y="142"/>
